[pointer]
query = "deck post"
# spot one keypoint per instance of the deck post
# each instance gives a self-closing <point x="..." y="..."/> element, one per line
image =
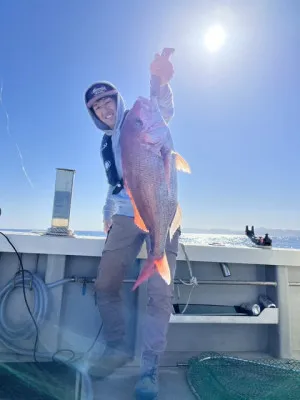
<point x="55" y="270"/>
<point x="284" y="326"/>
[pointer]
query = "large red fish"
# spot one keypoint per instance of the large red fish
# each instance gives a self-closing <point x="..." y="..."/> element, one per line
<point x="150" y="167"/>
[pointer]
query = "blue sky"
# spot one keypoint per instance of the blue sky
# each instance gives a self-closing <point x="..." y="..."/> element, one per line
<point x="237" y="110"/>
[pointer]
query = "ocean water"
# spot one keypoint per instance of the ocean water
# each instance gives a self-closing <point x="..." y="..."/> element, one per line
<point x="285" y="242"/>
<point x="204" y="239"/>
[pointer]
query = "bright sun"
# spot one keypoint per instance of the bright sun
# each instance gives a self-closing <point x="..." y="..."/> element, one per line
<point x="214" y="38"/>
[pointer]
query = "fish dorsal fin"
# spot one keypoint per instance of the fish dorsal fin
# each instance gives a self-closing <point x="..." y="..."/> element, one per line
<point x="181" y="163"/>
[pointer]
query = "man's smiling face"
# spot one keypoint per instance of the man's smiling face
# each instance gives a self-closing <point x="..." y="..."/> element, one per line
<point x="106" y="111"/>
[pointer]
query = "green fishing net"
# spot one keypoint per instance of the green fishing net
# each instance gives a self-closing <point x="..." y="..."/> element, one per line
<point x="214" y="376"/>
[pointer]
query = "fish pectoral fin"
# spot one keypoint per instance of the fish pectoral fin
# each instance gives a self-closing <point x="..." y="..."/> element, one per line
<point x="176" y="221"/>
<point x="138" y="220"/>
<point x="181" y="163"/>
<point x="162" y="267"/>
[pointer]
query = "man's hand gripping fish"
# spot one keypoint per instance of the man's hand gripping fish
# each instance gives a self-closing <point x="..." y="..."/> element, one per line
<point x="150" y="167"/>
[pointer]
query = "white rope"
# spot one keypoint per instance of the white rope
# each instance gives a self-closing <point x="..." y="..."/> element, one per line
<point x="193" y="280"/>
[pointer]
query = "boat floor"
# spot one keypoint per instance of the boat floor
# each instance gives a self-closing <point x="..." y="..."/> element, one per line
<point x="120" y="386"/>
<point x="172" y="379"/>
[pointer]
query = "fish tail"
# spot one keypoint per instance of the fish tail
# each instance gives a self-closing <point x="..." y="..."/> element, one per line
<point x="181" y="163"/>
<point x="151" y="266"/>
<point x="162" y="267"/>
<point x="148" y="270"/>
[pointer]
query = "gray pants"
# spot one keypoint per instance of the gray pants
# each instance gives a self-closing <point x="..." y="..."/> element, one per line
<point x="122" y="247"/>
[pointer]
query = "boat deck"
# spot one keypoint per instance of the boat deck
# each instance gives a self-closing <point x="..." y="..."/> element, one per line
<point x="67" y="266"/>
<point x="172" y="379"/>
<point x="120" y="386"/>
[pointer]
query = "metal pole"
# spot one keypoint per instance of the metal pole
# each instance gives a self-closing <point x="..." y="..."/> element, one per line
<point x="181" y="365"/>
<point x="186" y="282"/>
<point x="62" y="202"/>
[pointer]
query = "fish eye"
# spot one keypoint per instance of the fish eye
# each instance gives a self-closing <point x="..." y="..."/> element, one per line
<point x="139" y="122"/>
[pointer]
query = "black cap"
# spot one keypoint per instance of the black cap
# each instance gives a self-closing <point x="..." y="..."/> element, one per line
<point x="98" y="91"/>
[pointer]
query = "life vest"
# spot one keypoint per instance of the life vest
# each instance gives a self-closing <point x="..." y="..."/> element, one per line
<point x="109" y="163"/>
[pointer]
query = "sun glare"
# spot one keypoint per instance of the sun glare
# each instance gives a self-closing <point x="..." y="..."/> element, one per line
<point x="214" y="38"/>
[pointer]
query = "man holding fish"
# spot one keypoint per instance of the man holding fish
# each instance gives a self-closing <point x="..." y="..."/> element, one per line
<point x="141" y="167"/>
